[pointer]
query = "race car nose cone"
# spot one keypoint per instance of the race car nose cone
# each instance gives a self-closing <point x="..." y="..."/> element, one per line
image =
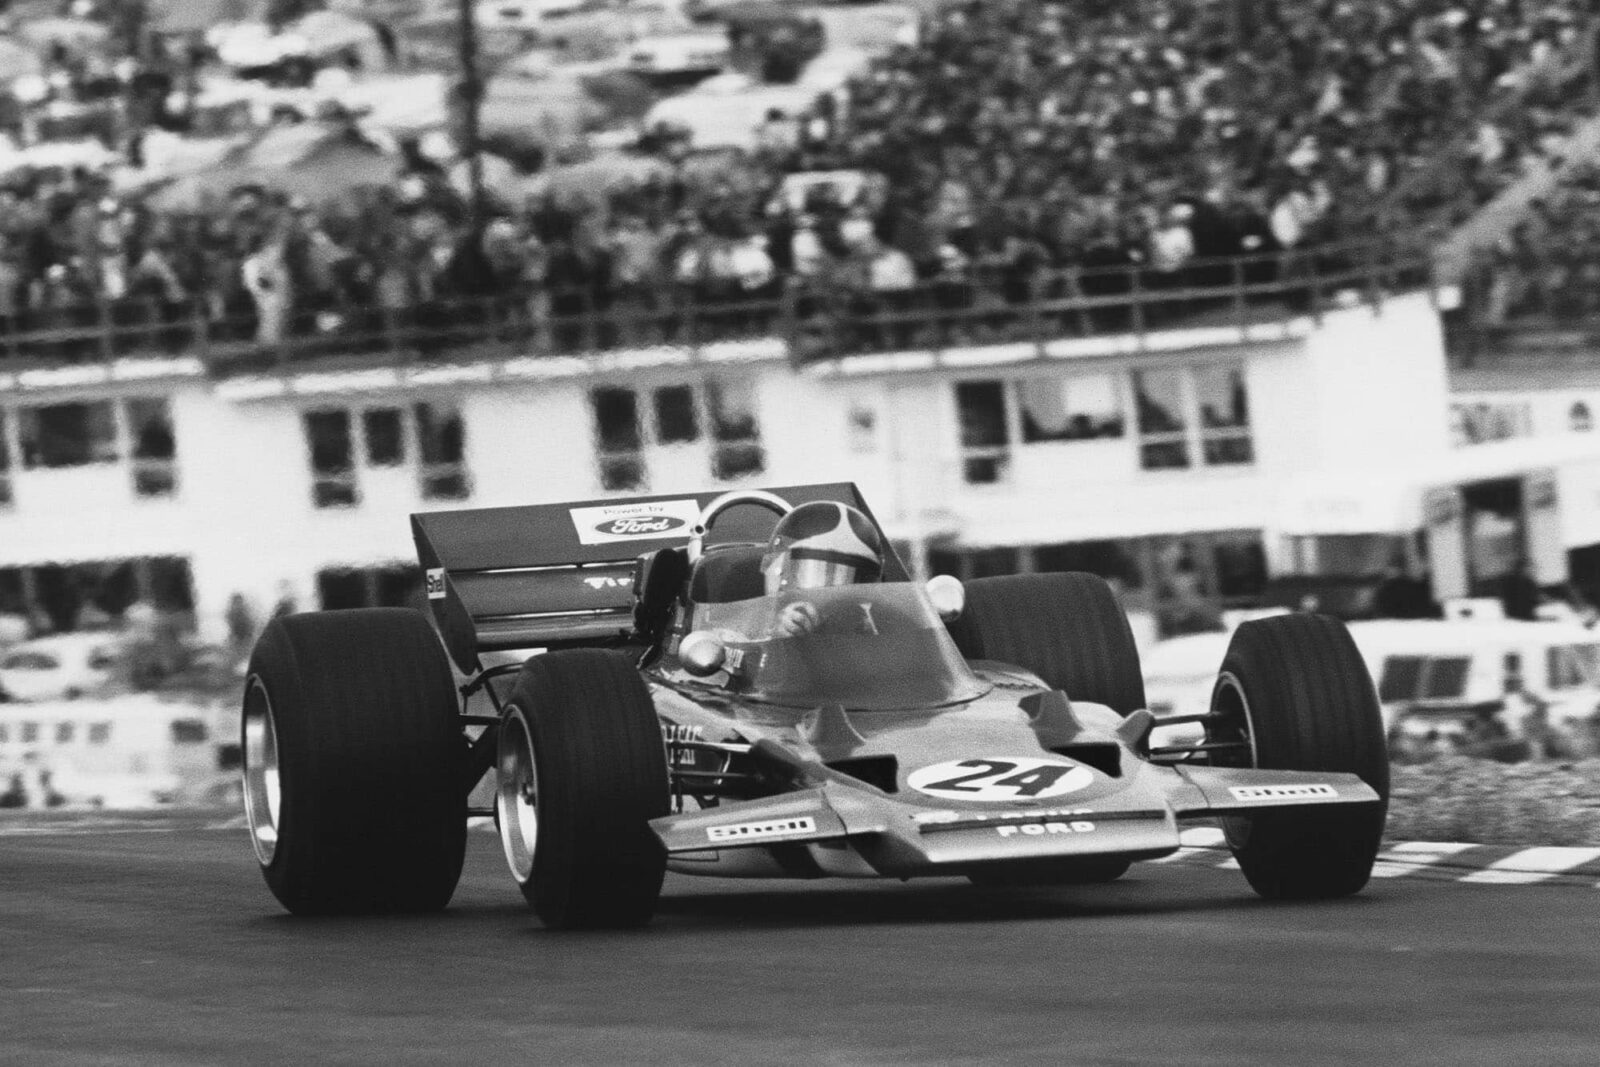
<point x="948" y="596"/>
<point x="702" y="653"/>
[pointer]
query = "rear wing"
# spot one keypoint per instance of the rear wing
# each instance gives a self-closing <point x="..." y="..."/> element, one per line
<point x="561" y="575"/>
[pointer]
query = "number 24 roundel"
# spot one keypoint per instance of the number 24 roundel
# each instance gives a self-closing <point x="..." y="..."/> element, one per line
<point x="1012" y="778"/>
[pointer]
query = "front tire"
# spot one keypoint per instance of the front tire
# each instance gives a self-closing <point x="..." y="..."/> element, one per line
<point x="1067" y="628"/>
<point x="1294" y="694"/>
<point x="581" y="771"/>
<point x="353" y="763"/>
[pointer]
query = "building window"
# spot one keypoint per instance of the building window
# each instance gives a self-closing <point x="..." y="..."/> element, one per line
<point x="676" y="419"/>
<point x="970" y="563"/>
<point x="5" y="460"/>
<point x="1405" y="678"/>
<point x="738" y="452"/>
<point x="442" y="445"/>
<point x="1069" y="409"/>
<point x="395" y="586"/>
<point x="167" y="583"/>
<point x="13" y="592"/>
<point x="342" y="587"/>
<point x="30" y="733"/>
<point x="1163" y="436"/>
<point x="1579" y="418"/>
<point x="333" y="471"/>
<point x="188" y="732"/>
<point x="677" y="416"/>
<point x="5" y="733"/>
<point x="440" y="449"/>
<point x="65" y="731"/>
<point x="98" y="594"/>
<point x="384" y="437"/>
<point x="981" y="408"/>
<point x="99" y="733"/>
<point x="1241" y="566"/>
<point x="1116" y="561"/>
<point x="1224" y="415"/>
<point x="618" y="442"/>
<point x="155" y="448"/>
<point x="67" y="435"/>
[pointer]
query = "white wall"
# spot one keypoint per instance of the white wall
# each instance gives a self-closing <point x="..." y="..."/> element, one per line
<point x="1379" y="387"/>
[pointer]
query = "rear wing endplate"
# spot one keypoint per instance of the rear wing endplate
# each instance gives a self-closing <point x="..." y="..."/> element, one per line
<point x="561" y="575"/>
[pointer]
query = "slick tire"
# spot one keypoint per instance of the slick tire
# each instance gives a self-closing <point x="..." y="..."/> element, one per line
<point x="1089" y="870"/>
<point x="1065" y="627"/>
<point x="354" y="763"/>
<point x="1296" y="687"/>
<point x="580" y="772"/>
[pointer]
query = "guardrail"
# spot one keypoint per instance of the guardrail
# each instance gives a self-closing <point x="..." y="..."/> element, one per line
<point x="986" y="305"/>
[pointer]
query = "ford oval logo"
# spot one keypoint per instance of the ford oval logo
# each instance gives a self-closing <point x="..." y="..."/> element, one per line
<point x="641" y="526"/>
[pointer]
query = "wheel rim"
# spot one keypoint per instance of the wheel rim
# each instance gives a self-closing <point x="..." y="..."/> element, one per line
<point x="1233" y="725"/>
<point x="263" y="788"/>
<point x="517" y="794"/>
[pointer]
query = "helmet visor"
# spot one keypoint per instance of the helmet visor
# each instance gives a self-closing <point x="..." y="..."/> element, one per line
<point x="807" y="573"/>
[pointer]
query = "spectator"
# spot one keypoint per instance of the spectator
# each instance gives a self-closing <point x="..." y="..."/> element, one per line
<point x="266" y="278"/>
<point x="636" y="262"/>
<point x="241" y="623"/>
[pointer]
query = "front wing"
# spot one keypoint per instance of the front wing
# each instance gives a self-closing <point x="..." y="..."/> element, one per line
<point x="837" y="825"/>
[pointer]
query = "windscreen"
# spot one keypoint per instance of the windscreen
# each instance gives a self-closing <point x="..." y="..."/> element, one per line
<point x="869" y="647"/>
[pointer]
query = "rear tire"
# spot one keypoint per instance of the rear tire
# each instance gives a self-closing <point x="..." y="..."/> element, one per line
<point x="353" y="762"/>
<point x="1297" y="689"/>
<point x="1067" y="628"/>
<point x="580" y="773"/>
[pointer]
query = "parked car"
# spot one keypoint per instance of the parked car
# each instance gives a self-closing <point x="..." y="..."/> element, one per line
<point x="60" y="666"/>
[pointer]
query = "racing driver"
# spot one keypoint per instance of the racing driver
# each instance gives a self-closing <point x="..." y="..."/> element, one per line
<point x="818" y="546"/>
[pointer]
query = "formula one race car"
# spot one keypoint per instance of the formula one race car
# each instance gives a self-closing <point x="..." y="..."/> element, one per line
<point x="750" y="685"/>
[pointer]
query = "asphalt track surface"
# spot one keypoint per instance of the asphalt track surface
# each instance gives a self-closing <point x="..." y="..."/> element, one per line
<point x="156" y="942"/>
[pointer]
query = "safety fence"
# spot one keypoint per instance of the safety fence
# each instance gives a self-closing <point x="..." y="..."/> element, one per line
<point x="812" y="320"/>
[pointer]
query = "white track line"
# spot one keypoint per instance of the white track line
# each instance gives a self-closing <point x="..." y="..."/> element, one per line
<point x="1413" y="856"/>
<point x="1533" y="865"/>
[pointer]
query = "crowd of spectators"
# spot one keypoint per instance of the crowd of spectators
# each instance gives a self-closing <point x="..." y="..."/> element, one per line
<point x="1547" y="266"/>
<point x="1023" y="148"/>
<point x="1101" y="119"/>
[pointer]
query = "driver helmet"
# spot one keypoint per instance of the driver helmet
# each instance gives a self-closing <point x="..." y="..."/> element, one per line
<point x="821" y="544"/>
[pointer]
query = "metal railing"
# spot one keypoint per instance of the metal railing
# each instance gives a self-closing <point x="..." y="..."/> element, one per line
<point x="814" y="321"/>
